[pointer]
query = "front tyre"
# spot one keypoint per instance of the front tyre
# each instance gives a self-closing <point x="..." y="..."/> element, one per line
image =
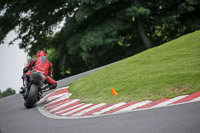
<point x="32" y="96"/>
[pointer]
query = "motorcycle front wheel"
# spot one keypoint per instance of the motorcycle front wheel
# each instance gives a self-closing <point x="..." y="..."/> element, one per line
<point x="32" y="96"/>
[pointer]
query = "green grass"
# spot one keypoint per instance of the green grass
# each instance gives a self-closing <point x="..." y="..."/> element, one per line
<point x="169" y="70"/>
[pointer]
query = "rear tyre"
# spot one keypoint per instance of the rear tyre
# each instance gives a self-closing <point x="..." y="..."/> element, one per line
<point x="32" y="96"/>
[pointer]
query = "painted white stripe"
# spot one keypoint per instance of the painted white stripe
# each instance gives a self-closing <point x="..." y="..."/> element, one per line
<point x="109" y="108"/>
<point x="84" y="106"/>
<point x="65" y="104"/>
<point x="54" y="97"/>
<point x="196" y="99"/>
<point x="89" y="109"/>
<point x="53" y="106"/>
<point x="68" y="108"/>
<point x="134" y="106"/>
<point x="59" y="99"/>
<point x="170" y="101"/>
<point x="61" y="88"/>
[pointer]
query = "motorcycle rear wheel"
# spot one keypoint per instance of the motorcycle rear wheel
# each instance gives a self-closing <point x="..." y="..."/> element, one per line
<point x="32" y="96"/>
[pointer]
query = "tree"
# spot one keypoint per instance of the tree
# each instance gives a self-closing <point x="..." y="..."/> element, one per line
<point x="96" y="32"/>
<point x="7" y="92"/>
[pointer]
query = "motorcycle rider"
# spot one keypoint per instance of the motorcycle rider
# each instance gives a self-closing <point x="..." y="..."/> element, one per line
<point x="40" y="63"/>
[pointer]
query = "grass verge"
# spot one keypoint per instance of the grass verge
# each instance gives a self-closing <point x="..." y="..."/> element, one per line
<point x="169" y="70"/>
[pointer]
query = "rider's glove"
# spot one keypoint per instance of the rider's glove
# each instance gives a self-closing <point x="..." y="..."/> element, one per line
<point x="25" y="70"/>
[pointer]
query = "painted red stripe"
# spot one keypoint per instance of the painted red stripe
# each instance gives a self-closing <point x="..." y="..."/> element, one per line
<point x="98" y="109"/>
<point x="188" y="98"/>
<point x="121" y="107"/>
<point x="61" y="91"/>
<point x="56" y="105"/>
<point x="81" y="110"/>
<point x="68" y="106"/>
<point x="70" y="109"/>
<point x="154" y="103"/>
<point x="58" y="102"/>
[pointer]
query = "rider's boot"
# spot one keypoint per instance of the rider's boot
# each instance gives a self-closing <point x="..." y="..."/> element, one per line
<point x="49" y="87"/>
<point x="22" y="90"/>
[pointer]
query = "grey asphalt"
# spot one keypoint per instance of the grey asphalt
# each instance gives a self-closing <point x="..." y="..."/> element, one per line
<point x="15" y="118"/>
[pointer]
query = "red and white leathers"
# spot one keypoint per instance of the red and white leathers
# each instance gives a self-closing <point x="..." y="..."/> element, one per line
<point x="42" y="64"/>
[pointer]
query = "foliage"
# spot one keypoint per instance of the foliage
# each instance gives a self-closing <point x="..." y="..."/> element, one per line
<point x="95" y="32"/>
<point x="7" y="92"/>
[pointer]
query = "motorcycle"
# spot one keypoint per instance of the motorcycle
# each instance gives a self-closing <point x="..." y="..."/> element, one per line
<point x="34" y="90"/>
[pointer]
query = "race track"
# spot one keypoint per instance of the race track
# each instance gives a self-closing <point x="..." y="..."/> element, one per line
<point x="15" y="118"/>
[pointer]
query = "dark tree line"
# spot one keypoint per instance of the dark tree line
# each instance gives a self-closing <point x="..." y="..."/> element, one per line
<point x="95" y="32"/>
<point x="7" y="92"/>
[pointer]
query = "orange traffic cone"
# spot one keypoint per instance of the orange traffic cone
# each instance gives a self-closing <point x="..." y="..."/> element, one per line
<point x="113" y="92"/>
